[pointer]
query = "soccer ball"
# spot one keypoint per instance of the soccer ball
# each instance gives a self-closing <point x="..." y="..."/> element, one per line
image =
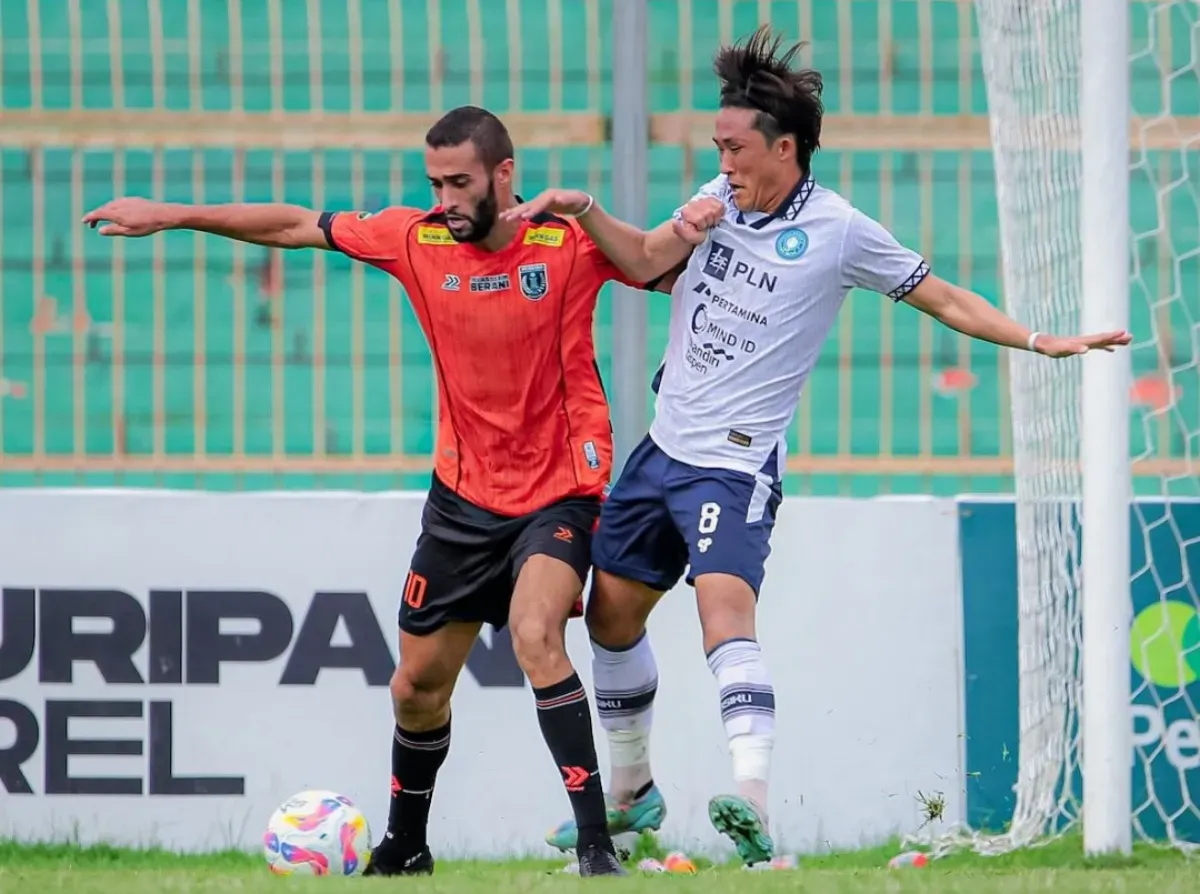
<point x="317" y="833"/>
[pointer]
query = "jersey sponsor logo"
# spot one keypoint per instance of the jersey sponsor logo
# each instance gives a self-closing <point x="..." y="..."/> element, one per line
<point x="719" y="343"/>
<point x="723" y="303"/>
<point x="760" y="279"/>
<point x="721" y="262"/>
<point x="452" y="282"/>
<point x="739" y="438"/>
<point x="549" y="236"/>
<point x="434" y="235"/>
<point x="719" y="258"/>
<point x="791" y="244"/>
<point x="703" y="356"/>
<point x="496" y="282"/>
<point x="534" y="281"/>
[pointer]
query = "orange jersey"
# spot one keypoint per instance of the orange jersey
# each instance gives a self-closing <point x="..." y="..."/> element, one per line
<point x="522" y="416"/>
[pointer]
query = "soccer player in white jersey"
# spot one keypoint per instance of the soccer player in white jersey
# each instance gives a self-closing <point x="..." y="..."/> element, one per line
<point x="763" y="257"/>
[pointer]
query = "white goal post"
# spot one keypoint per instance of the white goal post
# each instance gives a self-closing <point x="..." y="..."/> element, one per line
<point x="1094" y="109"/>
<point x="1104" y="440"/>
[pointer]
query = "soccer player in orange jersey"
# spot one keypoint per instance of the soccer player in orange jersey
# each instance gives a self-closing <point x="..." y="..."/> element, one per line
<point x="523" y="450"/>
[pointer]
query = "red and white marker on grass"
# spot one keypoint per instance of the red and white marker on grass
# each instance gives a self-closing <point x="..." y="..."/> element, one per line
<point x="916" y="859"/>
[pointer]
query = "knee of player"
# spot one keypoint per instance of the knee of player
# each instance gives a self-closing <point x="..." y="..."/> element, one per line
<point x="617" y="610"/>
<point x="415" y="695"/>
<point x="535" y="639"/>
<point x="611" y="628"/>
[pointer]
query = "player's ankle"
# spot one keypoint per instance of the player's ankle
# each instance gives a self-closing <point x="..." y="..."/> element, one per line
<point x="755" y="791"/>
<point x="631" y="782"/>
<point x="592" y="835"/>
<point x="404" y="843"/>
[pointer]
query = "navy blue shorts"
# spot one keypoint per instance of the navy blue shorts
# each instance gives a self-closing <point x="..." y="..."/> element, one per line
<point x="663" y="515"/>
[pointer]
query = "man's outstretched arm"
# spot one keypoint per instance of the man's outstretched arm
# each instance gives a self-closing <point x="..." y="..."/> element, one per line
<point x="964" y="311"/>
<point x="639" y="254"/>
<point x="275" y="225"/>
<point x="875" y="260"/>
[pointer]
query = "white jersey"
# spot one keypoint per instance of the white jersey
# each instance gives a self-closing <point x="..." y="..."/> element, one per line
<point x="749" y="316"/>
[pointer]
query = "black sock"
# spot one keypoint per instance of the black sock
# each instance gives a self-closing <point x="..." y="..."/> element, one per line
<point x="566" y="723"/>
<point x="416" y="759"/>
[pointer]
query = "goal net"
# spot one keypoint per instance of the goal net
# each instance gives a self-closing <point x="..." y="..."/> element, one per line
<point x="1031" y="55"/>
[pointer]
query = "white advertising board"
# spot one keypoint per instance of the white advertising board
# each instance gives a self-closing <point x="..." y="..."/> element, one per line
<point x="175" y="664"/>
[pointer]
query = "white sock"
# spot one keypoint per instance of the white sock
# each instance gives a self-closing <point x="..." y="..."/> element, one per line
<point x="626" y="681"/>
<point x="748" y="711"/>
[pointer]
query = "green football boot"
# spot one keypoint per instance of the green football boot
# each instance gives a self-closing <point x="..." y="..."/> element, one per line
<point x="640" y="815"/>
<point x="738" y="819"/>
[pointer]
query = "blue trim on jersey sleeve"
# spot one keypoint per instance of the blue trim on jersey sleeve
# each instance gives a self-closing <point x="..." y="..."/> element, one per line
<point x="914" y="279"/>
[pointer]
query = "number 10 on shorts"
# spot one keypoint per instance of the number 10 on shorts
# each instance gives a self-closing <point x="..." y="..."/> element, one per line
<point x="414" y="590"/>
<point x="710" y="515"/>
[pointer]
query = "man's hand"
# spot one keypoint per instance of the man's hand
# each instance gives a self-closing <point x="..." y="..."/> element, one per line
<point x="696" y="218"/>
<point x="131" y="217"/>
<point x="551" y="201"/>
<point x="1068" y="346"/>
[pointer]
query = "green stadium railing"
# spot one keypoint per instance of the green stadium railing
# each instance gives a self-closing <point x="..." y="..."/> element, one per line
<point x="188" y="361"/>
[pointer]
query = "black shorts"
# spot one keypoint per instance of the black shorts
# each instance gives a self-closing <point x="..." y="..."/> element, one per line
<point x="467" y="559"/>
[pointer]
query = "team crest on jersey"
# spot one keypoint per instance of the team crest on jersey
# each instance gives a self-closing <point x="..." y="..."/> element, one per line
<point x="534" y="281"/>
<point x="791" y="244"/>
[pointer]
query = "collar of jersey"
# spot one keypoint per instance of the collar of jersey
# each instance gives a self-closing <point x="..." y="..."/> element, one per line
<point x="789" y="208"/>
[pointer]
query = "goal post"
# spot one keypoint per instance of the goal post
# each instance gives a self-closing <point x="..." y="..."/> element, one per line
<point x="1107" y="606"/>
<point x="1094" y="119"/>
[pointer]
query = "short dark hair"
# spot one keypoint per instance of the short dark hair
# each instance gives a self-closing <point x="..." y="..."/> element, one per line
<point x="756" y="76"/>
<point x="480" y="127"/>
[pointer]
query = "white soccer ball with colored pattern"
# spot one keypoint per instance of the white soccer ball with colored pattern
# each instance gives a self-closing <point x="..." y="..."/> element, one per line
<point x="317" y="833"/>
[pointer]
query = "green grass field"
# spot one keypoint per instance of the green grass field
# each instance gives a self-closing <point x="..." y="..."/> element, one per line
<point x="1059" y="867"/>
